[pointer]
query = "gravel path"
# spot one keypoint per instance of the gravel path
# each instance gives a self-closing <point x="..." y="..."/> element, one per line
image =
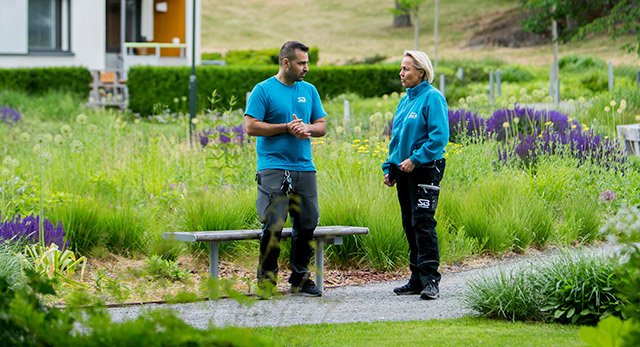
<point x="363" y="303"/>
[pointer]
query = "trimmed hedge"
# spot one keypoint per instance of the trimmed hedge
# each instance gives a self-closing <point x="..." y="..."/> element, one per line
<point x="150" y="86"/>
<point x="256" y="57"/>
<point x="40" y="80"/>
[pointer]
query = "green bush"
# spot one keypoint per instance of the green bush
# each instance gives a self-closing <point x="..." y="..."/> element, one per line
<point x="576" y="289"/>
<point x="515" y="73"/>
<point x="595" y="81"/>
<point x="153" y="86"/>
<point x="26" y="321"/>
<point x="255" y="57"/>
<point x="577" y="63"/>
<point x="41" y="80"/>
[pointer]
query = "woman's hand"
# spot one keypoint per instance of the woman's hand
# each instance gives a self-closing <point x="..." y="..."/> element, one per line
<point x="387" y="181"/>
<point x="406" y="165"/>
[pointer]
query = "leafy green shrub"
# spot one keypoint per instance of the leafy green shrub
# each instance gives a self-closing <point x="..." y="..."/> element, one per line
<point x="577" y="63"/>
<point x="515" y="73"/>
<point x="41" y="80"/>
<point x="54" y="263"/>
<point x="26" y="321"/>
<point x="594" y="80"/>
<point x="211" y="56"/>
<point x="11" y="267"/>
<point x="576" y="289"/>
<point x="158" y="268"/>
<point x="255" y="57"/>
<point x="150" y="86"/>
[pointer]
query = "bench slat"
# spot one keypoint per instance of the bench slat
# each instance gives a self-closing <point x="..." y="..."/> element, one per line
<point x="252" y="234"/>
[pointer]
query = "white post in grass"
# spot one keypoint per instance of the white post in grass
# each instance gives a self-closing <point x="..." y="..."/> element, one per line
<point x="491" y="94"/>
<point x="498" y="82"/>
<point x="347" y="113"/>
<point x="442" y="86"/>
<point x="610" y="77"/>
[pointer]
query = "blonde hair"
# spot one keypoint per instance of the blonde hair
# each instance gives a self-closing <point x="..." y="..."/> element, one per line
<point x="422" y="62"/>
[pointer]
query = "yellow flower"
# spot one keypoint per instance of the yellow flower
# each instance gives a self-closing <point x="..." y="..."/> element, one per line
<point x="505" y="124"/>
<point x="356" y="140"/>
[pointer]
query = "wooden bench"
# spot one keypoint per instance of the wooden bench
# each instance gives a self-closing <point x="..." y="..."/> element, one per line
<point x="331" y="235"/>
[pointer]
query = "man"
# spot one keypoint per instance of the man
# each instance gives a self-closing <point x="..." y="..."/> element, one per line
<point x="284" y="112"/>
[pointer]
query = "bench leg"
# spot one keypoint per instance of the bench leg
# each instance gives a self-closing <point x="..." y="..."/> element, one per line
<point x="213" y="259"/>
<point x="320" y="264"/>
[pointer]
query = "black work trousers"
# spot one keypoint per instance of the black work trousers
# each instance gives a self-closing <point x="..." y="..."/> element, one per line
<point x="418" y="193"/>
<point x="278" y="197"/>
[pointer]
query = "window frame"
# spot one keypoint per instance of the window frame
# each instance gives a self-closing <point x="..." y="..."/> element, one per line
<point x="59" y="27"/>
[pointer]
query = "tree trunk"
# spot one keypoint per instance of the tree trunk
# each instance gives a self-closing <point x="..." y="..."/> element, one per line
<point x="401" y="21"/>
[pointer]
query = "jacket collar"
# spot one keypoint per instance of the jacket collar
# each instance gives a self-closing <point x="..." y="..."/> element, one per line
<point x="417" y="90"/>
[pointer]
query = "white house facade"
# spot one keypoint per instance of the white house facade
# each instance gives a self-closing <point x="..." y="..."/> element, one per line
<point x="90" y="33"/>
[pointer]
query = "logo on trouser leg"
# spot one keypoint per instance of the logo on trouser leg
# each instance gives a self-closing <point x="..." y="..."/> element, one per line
<point x="424" y="203"/>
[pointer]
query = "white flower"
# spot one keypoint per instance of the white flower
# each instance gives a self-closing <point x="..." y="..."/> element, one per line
<point x="612" y="103"/>
<point x="81" y="118"/>
<point x="25" y="137"/>
<point x="516" y="120"/>
<point x="59" y="140"/>
<point x="65" y="130"/>
<point x="76" y="146"/>
<point x="505" y="124"/>
<point x="92" y="128"/>
<point x="581" y="100"/>
<point x="606" y="109"/>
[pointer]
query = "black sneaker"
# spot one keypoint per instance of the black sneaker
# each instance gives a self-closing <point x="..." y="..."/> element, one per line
<point x="430" y="292"/>
<point x="306" y="288"/>
<point x="408" y="289"/>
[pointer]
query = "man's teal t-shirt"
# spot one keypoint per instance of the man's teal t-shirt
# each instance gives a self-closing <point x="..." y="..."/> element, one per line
<point x="272" y="101"/>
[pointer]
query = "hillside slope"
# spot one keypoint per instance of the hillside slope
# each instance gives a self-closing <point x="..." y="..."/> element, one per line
<point x="357" y="29"/>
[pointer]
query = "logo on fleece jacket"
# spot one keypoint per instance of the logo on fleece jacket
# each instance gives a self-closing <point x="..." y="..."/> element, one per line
<point x="413" y="115"/>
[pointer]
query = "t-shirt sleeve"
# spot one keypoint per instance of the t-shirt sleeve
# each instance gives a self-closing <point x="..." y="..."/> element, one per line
<point x="256" y="105"/>
<point x="317" y="111"/>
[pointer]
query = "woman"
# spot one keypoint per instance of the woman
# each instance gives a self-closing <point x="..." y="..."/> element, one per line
<point x="416" y="166"/>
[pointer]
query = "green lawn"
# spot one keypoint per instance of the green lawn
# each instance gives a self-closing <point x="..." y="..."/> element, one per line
<point x="457" y="332"/>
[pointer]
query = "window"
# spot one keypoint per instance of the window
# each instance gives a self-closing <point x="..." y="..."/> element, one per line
<point x="46" y="25"/>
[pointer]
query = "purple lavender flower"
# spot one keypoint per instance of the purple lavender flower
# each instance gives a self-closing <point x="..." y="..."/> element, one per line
<point x="204" y="137"/>
<point x="10" y="115"/>
<point x="466" y="123"/>
<point x="608" y="195"/>
<point x="26" y="229"/>
<point x="237" y="132"/>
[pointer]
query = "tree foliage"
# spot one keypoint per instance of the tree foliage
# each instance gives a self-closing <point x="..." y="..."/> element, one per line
<point x="578" y="18"/>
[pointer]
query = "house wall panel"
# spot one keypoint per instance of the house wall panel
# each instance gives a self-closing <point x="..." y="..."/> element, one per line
<point x="13" y="27"/>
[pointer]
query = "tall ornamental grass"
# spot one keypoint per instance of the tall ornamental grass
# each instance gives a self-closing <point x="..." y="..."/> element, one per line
<point x="577" y="288"/>
<point x="117" y="182"/>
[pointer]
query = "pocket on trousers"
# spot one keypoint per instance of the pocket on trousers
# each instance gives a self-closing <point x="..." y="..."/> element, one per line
<point x="428" y="197"/>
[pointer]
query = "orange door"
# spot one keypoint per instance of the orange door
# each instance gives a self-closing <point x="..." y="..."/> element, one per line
<point x="168" y="25"/>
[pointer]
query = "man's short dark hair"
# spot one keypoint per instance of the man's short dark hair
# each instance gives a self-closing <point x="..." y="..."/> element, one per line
<point x="288" y="50"/>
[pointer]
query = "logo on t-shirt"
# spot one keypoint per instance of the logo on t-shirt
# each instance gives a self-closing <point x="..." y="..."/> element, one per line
<point x="302" y="99"/>
<point x="413" y="115"/>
